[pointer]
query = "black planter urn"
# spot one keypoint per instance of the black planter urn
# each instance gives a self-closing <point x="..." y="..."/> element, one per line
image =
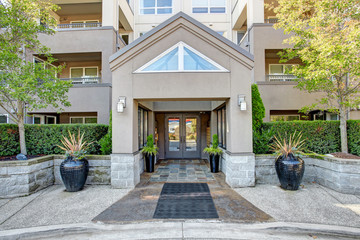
<point x="214" y="163"/>
<point x="74" y="173"/>
<point x="290" y="171"/>
<point x="149" y="162"/>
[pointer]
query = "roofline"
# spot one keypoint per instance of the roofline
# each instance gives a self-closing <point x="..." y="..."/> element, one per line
<point x="193" y="21"/>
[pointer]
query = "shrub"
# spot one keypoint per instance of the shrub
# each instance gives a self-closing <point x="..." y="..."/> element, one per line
<point x="262" y="140"/>
<point x="353" y="127"/>
<point x="44" y="139"/>
<point x="106" y="141"/>
<point x="258" y="109"/>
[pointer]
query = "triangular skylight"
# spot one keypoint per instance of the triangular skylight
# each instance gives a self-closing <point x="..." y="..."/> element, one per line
<point x="181" y="58"/>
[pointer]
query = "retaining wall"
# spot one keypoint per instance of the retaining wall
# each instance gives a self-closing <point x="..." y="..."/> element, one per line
<point x="342" y="175"/>
<point x="21" y="178"/>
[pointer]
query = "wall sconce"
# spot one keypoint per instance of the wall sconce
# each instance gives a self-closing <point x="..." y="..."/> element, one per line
<point x="241" y="102"/>
<point x="121" y="104"/>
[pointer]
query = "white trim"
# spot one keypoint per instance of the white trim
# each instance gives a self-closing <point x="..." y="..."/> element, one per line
<point x="42" y="118"/>
<point x="7" y="117"/>
<point x="83" y="118"/>
<point x="83" y="74"/>
<point x="181" y="46"/>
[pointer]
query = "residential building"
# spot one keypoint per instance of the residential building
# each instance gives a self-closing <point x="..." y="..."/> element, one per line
<point x="181" y="70"/>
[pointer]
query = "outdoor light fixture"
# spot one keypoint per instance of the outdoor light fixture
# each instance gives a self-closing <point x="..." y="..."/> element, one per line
<point x="241" y="102"/>
<point x="121" y="104"/>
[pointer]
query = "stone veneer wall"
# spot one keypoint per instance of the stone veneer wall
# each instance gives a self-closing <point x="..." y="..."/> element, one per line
<point x="21" y="178"/>
<point x="126" y="169"/>
<point x="342" y="175"/>
<point x="239" y="169"/>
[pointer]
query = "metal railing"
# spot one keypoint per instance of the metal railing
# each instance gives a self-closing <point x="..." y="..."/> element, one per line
<point x="271" y="20"/>
<point x="283" y="78"/>
<point x="83" y="80"/>
<point x="78" y="25"/>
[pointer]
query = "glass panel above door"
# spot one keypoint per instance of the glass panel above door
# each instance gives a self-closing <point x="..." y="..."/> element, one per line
<point x="191" y="134"/>
<point x="174" y="134"/>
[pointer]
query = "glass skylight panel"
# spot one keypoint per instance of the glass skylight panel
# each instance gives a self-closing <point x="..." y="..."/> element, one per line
<point x="192" y="61"/>
<point x="181" y="58"/>
<point x="169" y="62"/>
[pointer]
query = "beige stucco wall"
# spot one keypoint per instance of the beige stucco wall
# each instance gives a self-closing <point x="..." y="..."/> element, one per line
<point x="181" y="86"/>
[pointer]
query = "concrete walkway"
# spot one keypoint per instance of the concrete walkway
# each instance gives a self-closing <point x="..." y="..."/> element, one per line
<point x="312" y="212"/>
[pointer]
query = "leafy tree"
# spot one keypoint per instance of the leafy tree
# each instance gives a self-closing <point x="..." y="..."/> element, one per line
<point x="22" y="82"/>
<point x="258" y="109"/>
<point x="325" y="35"/>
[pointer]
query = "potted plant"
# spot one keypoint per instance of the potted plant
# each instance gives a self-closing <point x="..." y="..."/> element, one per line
<point x="214" y="154"/>
<point x="289" y="167"/>
<point x="149" y="151"/>
<point x="74" y="169"/>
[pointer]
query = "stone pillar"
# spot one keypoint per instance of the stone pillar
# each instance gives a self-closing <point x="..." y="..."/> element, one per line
<point x="239" y="169"/>
<point x="125" y="170"/>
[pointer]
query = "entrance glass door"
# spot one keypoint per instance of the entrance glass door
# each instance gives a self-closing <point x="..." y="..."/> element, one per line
<point x="182" y="139"/>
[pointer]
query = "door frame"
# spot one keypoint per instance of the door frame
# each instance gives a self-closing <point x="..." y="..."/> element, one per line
<point x="182" y="154"/>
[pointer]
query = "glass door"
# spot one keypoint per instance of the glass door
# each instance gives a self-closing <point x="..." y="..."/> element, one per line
<point x="182" y="138"/>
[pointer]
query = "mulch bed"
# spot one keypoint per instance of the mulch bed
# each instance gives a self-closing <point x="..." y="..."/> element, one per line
<point x="13" y="158"/>
<point x="345" y="155"/>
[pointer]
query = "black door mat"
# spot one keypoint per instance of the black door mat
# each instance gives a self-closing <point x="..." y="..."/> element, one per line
<point x="185" y="200"/>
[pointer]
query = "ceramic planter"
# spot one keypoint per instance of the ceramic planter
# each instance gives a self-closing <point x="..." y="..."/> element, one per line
<point x="149" y="162"/>
<point x="290" y="171"/>
<point x="74" y="173"/>
<point x="214" y="163"/>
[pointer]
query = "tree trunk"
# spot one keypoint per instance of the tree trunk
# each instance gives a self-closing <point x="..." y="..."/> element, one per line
<point x="343" y="129"/>
<point x="21" y="126"/>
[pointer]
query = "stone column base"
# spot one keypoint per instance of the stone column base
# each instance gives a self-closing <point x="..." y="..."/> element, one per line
<point x="239" y="169"/>
<point x="126" y="170"/>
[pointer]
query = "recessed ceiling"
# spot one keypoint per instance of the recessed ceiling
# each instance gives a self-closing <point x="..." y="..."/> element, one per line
<point x="79" y="9"/>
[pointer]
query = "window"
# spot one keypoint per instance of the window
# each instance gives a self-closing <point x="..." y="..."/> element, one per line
<point x="155" y="6"/>
<point x="222" y="33"/>
<point x="181" y="58"/>
<point x="83" y="120"/>
<point x="143" y="116"/>
<point x="4" y="118"/>
<point x="282" y="118"/>
<point x="83" y="72"/>
<point x="221" y="126"/>
<point x="280" y="69"/>
<point x="125" y="37"/>
<point x="240" y="35"/>
<point x="42" y="119"/>
<point x="208" y="6"/>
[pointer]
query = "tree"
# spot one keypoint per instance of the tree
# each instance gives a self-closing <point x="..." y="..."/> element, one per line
<point x="325" y="35"/>
<point x="24" y="83"/>
<point x="258" y="109"/>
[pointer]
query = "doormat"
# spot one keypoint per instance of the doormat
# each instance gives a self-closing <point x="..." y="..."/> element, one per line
<point x="185" y="200"/>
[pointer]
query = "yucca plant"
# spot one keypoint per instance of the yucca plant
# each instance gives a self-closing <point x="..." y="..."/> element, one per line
<point x="74" y="146"/>
<point x="284" y="146"/>
<point x="214" y="149"/>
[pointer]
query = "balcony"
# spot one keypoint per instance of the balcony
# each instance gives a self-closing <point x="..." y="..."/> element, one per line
<point x="83" y="80"/>
<point x="78" y="25"/>
<point x="281" y="78"/>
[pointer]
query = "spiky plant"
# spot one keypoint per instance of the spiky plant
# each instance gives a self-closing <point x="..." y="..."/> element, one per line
<point x="150" y="148"/>
<point x="294" y="145"/>
<point x="74" y="146"/>
<point x="214" y="148"/>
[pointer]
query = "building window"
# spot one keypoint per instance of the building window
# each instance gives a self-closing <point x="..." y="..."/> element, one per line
<point x="240" y="35"/>
<point x="222" y="33"/>
<point x="221" y="126"/>
<point x="4" y="118"/>
<point x="282" y="118"/>
<point x="42" y="119"/>
<point x="280" y="69"/>
<point x="83" y="120"/>
<point x="125" y="38"/>
<point x="143" y="116"/>
<point x="155" y="6"/>
<point x="83" y="72"/>
<point x="208" y="6"/>
<point x="181" y="58"/>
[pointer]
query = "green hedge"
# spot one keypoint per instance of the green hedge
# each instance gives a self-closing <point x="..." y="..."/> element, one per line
<point x="43" y="139"/>
<point x="321" y="136"/>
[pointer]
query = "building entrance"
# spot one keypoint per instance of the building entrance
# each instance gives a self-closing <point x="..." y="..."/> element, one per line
<point x="182" y="138"/>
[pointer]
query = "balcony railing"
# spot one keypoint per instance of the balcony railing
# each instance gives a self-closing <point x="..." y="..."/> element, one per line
<point x="78" y="25"/>
<point x="83" y="80"/>
<point x="271" y="20"/>
<point x="283" y="78"/>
